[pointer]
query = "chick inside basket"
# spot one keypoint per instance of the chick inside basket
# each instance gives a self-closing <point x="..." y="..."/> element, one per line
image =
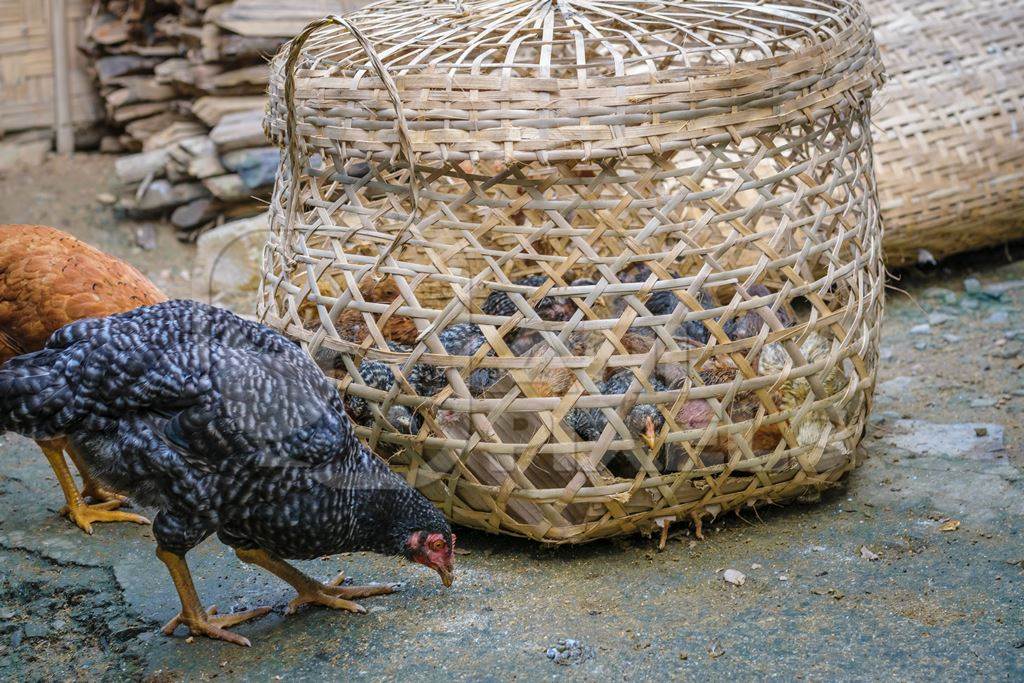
<point x="723" y="385"/>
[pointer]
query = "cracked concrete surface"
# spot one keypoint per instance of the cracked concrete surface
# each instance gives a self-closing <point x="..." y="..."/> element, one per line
<point x="944" y="445"/>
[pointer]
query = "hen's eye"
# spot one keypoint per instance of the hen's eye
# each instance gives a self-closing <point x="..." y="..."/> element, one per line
<point x="436" y="544"/>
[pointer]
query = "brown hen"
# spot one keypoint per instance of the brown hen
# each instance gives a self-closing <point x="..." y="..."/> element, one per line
<point x="47" y="280"/>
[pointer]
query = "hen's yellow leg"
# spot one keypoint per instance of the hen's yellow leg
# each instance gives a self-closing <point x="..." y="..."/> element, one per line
<point x="201" y="622"/>
<point x="91" y="487"/>
<point x="310" y="590"/>
<point x="77" y="510"/>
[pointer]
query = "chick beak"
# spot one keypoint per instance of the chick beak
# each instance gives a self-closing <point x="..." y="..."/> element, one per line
<point x="650" y="435"/>
<point x="447" y="575"/>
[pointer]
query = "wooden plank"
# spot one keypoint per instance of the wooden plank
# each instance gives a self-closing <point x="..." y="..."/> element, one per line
<point x="61" y="80"/>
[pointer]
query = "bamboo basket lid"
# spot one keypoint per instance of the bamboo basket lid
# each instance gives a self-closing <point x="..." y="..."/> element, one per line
<point x="525" y="80"/>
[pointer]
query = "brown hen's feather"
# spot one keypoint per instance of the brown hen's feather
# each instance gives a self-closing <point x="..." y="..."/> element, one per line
<point x="49" y="279"/>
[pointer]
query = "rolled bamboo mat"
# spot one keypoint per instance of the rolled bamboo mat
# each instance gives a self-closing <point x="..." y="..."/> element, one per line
<point x="949" y="144"/>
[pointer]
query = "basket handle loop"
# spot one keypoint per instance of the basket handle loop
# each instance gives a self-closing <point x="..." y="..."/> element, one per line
<point x="404" y="138"/>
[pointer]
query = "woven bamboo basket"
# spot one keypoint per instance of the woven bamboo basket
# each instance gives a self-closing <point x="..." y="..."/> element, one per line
<point x="689" y="183"/>
<point x="948" y="134"/>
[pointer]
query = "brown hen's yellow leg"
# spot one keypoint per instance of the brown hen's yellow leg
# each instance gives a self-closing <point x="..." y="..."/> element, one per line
<point x="91" y="487"/>
<point x="77" y="510"/>
<point x="201" y="622"/>
<point x="310" y="590"/>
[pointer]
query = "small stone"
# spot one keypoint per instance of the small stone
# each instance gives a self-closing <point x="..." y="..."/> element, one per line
<point x="951" y="338"/>
<point x="972" y="285"/>
<point x="6" y="614"/>
<point x="734" y="576"/>
<point x="938" y="319"/>
<point x="983" y="402"/>
<point x="923" y="328"/>
<point x="921" y="345"/>
<point x="937" y="292"/>
<point x="755" y="566"/>
<point x="867" y="554"/>
<point x="950" y="298"/>
<point x="925" y="257"/>
<point x="16" y="637"/>
<point x="997" y="289"/>
<point x="998" y="318"/>
<point x="35" y="629"/>
<point x="981" y="431"/>
<point x="106" y="198"/>
<point x="567" y="651"/>
<point x="145" y="237"/>
<point x="969" y="304"/>
<point x="783" y="577"/>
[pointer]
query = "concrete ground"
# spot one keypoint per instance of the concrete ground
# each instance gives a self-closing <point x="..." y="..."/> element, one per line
<point x="914" y="570"/>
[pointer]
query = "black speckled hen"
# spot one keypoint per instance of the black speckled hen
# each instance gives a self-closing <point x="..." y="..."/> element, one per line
<point x="226" y="427"/>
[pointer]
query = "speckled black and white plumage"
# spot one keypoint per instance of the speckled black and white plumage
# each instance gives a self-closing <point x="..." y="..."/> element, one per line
<point x="378" y="374"/>
<point x="462" y="339"/>
<point x="223" y="424"/>
<point x="548" y="308"/>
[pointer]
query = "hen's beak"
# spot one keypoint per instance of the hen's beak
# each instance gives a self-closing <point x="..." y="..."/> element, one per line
<point x="447" y="575"/>
<point x="650" y="436"/>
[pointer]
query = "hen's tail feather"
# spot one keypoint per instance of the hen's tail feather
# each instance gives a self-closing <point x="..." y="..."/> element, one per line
<point x="35" y="400"/>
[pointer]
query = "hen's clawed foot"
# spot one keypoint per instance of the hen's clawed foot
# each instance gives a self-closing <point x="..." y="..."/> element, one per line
<point x="335" y="595"/>
<point x="84" y="515"/>
<point x="94" y="491"/>
<point x="215" y="627"/>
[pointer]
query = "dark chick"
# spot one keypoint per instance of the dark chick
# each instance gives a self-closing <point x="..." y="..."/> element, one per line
<point x="463" y="339"/>
<point x="548" y="308"/>
<point x="749" y="324"/>
<point x="643" y="420"/>
<point x="226" y="427"/>
<point x="378" y="374"/>
<point x="551" y="308"/>
<point x="664" y="302"/>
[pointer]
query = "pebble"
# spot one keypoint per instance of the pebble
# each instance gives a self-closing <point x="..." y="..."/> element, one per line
<point x="952" y="338"/>
<point x="106" y="198"/>
<point x="972" y="285"/>
<point x="923" y="328"/>
<point x="938" y="319"/>
<point x="999" y="288"/>
<point x="998" y="318"/>
<point x="16" y="638"/>
<point x="921" y="345"/>
<point x="983" y="402"/>
<point x="969" y="304"/>
<point x="1007" y="352"/>
<point x="938" y="292"/>
<point x="734" y="576"/>
<point x="566" y="651"/>
<point x="886" y="353"/>
<point x="35" y="629"/>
